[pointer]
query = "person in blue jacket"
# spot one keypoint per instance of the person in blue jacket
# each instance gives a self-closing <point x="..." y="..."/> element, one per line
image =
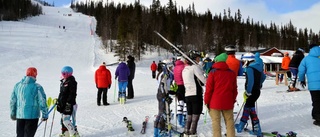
<point x="27" y="99"/>
<point x="254" y="80"/>
<point x="310" y="66"/>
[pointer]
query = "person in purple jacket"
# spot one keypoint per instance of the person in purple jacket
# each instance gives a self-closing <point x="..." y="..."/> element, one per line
<point x="122" y="73"/>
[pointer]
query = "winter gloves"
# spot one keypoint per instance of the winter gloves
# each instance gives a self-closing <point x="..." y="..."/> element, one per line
<point x="13" y="117"/>
<point x="303" y="84"/>
<point x="245" y="96"/>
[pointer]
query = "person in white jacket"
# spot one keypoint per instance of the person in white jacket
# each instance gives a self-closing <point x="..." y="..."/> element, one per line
<point x="193" y="78"/>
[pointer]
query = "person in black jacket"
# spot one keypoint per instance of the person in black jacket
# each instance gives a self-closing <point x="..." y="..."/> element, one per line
<point x="293" y="66"/>
<point x="132" y="67"/>
<point x="66" y="103"/>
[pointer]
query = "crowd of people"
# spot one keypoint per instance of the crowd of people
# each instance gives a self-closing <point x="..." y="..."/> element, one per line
<point x="219" y="76"/>
<point x="184" y="78"/>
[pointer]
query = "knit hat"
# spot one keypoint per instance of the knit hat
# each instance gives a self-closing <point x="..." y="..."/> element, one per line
<point x="32" y="72"/>
<point x="221" y="58"/>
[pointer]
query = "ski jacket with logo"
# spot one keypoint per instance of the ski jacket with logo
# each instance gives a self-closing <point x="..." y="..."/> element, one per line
<point x="122" y="72"/>
<point x="27" y="99"/>
<point x="102" y="77"/>
<point x="68" y="93"/>
<point x="221" y="87"/>
<point x="177" y="72"/>
<point x="310" y="66"/>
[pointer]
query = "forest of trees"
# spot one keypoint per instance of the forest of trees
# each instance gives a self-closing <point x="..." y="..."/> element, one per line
<point x="133" y="25"/>
<point x="13" y="10"/>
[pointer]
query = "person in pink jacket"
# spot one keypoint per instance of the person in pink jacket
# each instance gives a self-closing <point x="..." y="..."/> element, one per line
<point x="181" y="108"/>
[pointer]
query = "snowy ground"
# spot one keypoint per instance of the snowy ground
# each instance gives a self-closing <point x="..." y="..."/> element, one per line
<point x="39" y="42"/>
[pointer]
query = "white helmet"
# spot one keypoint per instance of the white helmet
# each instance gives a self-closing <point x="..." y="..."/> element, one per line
<point x="248" y="57"/>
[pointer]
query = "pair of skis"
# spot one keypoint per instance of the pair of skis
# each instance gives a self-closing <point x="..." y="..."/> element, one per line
<point x="274" y="133"/>
<point x="129" y="124"/>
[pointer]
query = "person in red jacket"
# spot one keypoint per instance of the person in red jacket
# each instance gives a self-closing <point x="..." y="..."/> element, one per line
<point x="220" y="95"/>
<point x="153" y="68"/>
<point x="103" y="82"/>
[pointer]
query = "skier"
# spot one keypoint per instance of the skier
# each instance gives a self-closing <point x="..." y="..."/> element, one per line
<point x="293" y="66"/>
<point x="122" y="73"/>
<point x="153" y="68"/>
<point x="310" y="66"/>
<point x="164" y="101"/>
<point x="193" y="78"/>
<point x="132" y="67"/>
<point x="221" y="94"/>
<point x="103" y="83"/>
<point x="27" y="99"/>
<point x="66" y="103"/>
<point x="285" y="66"/>
<point x="181" y="108"/>
<point x="254" y="79"/>
<point x="234" y="64"/>
<point x="207" y="64"/>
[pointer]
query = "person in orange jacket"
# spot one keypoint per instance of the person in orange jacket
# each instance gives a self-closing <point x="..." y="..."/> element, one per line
<point x="153" y="68"/>
<point x="285" y="66"/>
<point x="103" y="83"/>
<point x="234" y="64"/>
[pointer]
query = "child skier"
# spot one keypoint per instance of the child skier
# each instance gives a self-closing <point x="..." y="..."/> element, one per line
<point x="122" y="73"/>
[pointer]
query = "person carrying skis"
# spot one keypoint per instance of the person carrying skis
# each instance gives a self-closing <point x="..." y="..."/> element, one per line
<point x="132" y="67"/>
<point x="234" y="64"/>
<point x="27" y="99"/>
<point x="164" y="101"/>
<point x="122" y="73"/>
<point x="103" y="82"/>
<point x="66" y="103"/>
<point x="221" y="94"/>
<point x="285" y="66"/>
<point x="193" y="78"/>
<point x="153" y="68"/>
<point x="310" y="66"/>
<point x="254" y="80"/>
<point x="180" y="94"/>
<point x="293" y="66"/>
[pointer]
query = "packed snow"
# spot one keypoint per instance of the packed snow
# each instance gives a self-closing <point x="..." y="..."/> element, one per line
<point x="42" y="42"/>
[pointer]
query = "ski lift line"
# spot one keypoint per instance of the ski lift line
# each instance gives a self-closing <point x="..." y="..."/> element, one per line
<point x="184" y="55"/>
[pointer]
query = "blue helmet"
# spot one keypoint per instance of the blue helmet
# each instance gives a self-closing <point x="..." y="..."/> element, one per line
<point x="67" y="70"/>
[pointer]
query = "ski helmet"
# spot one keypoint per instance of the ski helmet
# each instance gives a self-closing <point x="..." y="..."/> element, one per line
<point x="230" y="49"/>
<point x="32" y="72"/>
<point x="66" y="71"/>
<point x="193" y="54"/>
<point x="248" y="57"/>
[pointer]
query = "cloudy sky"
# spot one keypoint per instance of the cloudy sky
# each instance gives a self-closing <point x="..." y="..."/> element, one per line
<point x="302" y="13"/>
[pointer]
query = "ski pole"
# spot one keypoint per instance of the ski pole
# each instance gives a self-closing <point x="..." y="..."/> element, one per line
<point x="114" y="92"/>
<point x="48" y="113"/>
<point x="239" y="111"/>
<point x="54" y="101"/>
<point x="49" y="101"/>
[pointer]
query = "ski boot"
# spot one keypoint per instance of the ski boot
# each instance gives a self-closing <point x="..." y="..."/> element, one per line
<point x="64" y="134"/>
<point x="291" y="134"/>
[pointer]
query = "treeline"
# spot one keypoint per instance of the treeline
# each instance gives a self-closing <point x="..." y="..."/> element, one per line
<point x="13" y="10"/>
<point x="133" y="25"/>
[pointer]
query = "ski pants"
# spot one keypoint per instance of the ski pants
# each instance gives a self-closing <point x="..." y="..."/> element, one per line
<point x="26" y="127"/>
<point x="251" y="100"/>
<point x="153" y="74"/>
<point x="122" y="87"/>
<point x="315" y="97"/>
<point x="130" y="88"/>
<point x="104" y="92"/>
<point x="72" y="116"/>
<point x="216" y="122"/>
<point x="294" y="72"/>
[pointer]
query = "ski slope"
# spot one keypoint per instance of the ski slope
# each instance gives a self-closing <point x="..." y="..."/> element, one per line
<point x="39" y="42"/>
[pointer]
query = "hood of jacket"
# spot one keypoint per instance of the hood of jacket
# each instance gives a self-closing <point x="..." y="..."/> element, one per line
<point x="258" y="63"/>
<point x="220" y="66"/>
<point x="315" y="52"/>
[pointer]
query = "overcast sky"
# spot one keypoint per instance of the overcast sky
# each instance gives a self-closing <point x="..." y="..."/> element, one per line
<point x="302" y="13"/>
